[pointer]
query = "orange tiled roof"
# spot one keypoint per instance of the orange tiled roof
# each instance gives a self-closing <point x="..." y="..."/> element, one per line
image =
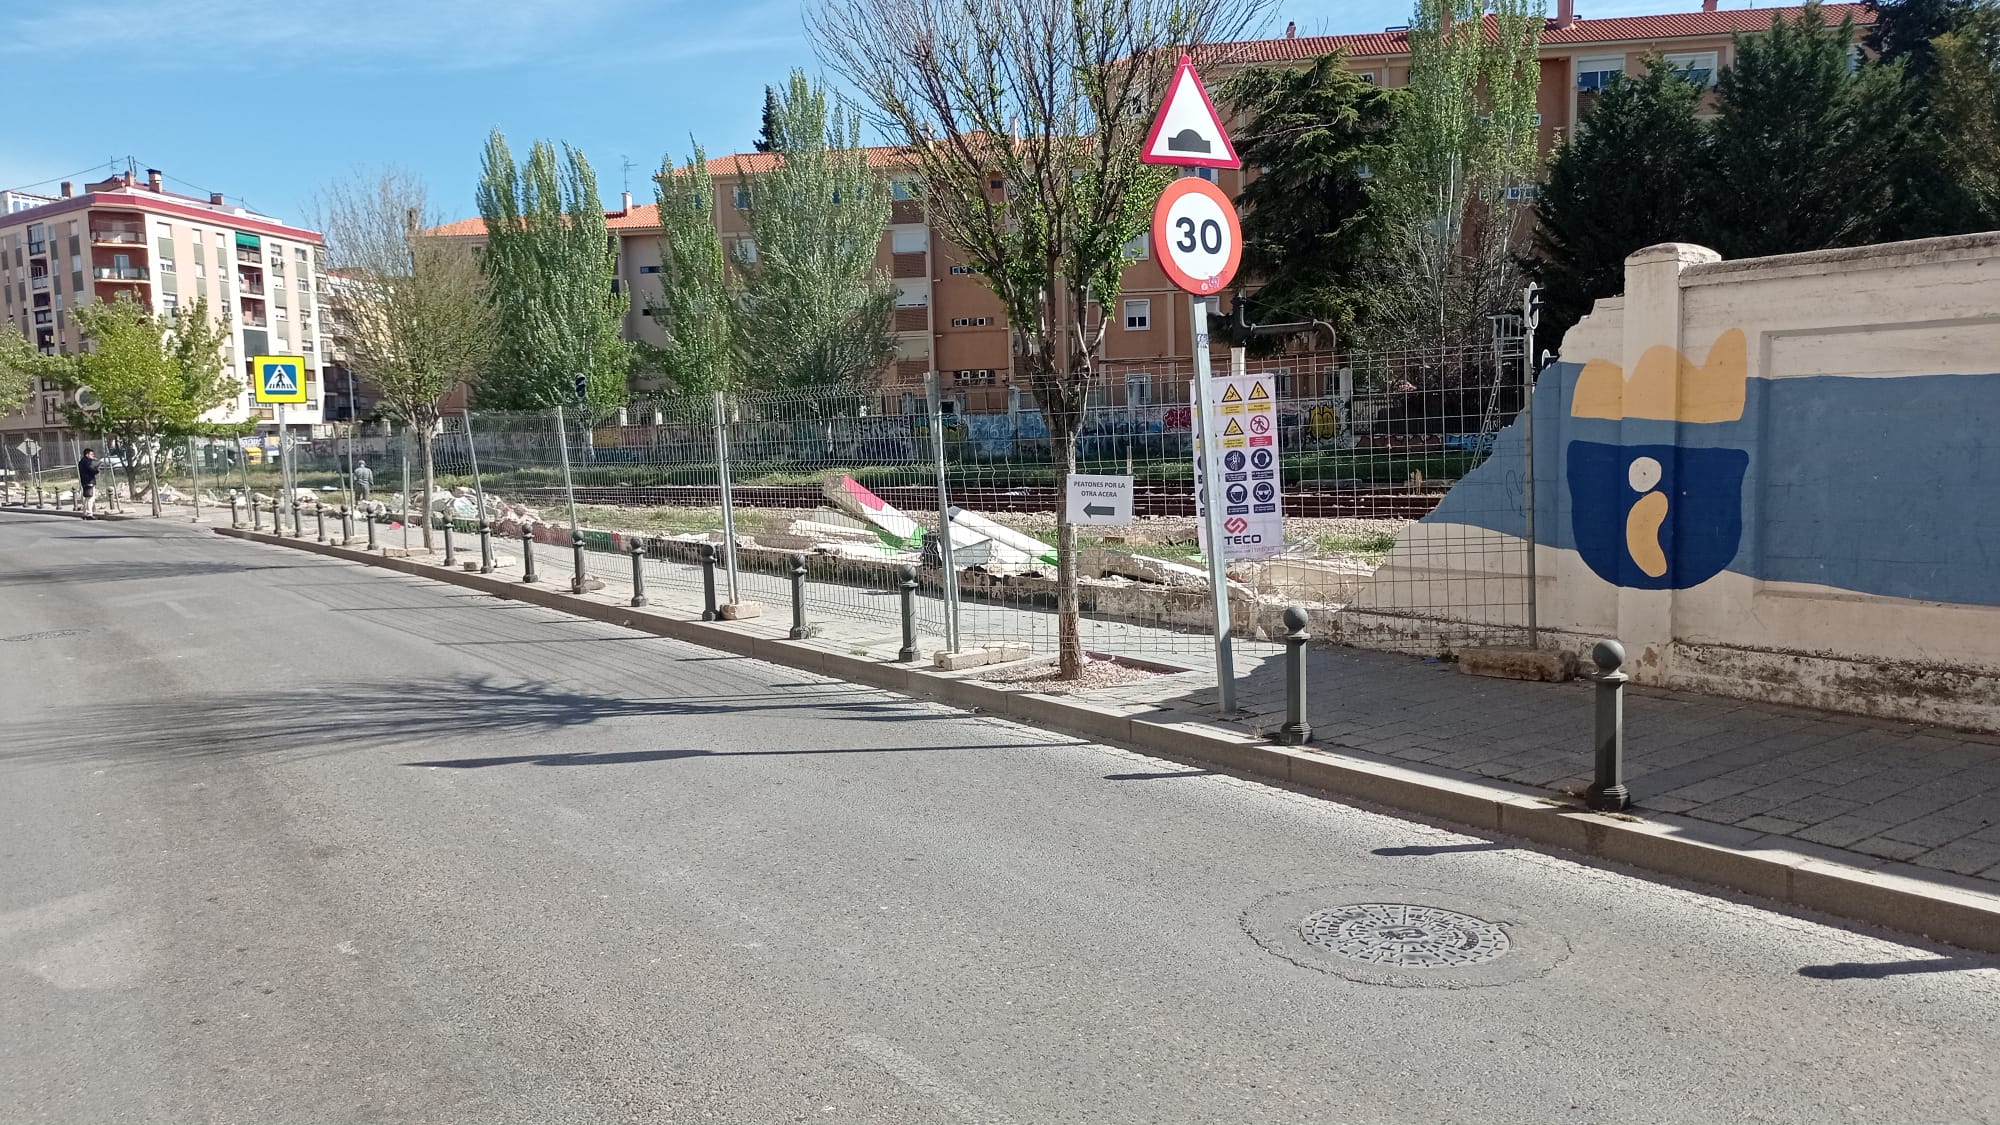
<point x="1617" y="29"/>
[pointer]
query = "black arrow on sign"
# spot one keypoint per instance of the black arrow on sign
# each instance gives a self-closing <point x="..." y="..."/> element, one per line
<point x="1094" y="510"/>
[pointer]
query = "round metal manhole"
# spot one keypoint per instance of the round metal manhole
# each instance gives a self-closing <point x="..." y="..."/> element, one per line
<point x="1404" y="935"/>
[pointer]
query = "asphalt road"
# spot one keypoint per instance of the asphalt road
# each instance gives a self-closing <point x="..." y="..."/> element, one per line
<point x="289" y="840"/>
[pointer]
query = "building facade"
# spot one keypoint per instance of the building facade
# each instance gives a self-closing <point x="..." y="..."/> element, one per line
<point x="950" y="323"/>
<point x="131" y="237"/>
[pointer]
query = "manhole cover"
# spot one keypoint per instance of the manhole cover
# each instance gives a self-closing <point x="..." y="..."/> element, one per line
<point x="42" y="636"/>
<point x="1402" y="934"/>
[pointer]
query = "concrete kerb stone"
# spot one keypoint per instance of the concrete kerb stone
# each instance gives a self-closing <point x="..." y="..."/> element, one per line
<point x="66" y="514"/>
<point x="1662" y="843"/>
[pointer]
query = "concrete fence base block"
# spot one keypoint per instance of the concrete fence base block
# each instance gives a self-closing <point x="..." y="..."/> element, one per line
<point x="1512" y="662"/>
<point x="741" y="611"/>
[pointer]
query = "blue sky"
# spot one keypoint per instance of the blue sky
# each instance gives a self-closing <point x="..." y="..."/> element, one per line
<point x="266" y="102"/>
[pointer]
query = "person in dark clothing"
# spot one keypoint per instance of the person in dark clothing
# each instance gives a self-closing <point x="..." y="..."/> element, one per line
<point x="364" y="481"/>
<point x="86" y="477"/>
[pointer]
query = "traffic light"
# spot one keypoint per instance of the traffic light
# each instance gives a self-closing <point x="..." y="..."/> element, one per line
<point x="1532" y="300"/>
<point x="582" y="388"/>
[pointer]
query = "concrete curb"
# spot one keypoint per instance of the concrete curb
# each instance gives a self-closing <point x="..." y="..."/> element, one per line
<point x="1797" y="873"/>
<point x="69" y="515"/>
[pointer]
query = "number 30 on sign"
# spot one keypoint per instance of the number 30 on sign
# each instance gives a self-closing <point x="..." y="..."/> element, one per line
<point x="1196" y="236"/>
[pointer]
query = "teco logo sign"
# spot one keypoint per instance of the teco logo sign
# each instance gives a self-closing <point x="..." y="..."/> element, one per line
<point x="1235" y="525"/>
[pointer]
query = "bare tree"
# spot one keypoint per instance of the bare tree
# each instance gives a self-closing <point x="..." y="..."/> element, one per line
<point x="1024" y="121"/>
<point x="410" y="308"/>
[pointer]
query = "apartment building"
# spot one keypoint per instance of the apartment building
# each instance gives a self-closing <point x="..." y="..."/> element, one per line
<point x="949" y="322"/>
<point x="132" y="237"/>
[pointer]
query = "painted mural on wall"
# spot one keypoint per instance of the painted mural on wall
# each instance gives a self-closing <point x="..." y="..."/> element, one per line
<point x="1686" y="468"/>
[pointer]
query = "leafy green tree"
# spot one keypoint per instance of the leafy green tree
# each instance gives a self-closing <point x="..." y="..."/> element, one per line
<point x="767" y="136"/>
<point x="1628" y="178"/>
<point x="19" y="364"/>
<point x="411" y="310"/>
<point x="1806" y="147"/>
<point x="1964" y="116"/>
<point x="1309" y="227"/>
<point x="813" y="308"/>
<point x="1905" y="29"/>
<point x="694" y="310"/>
<point x="1024" y="125"/>
<point x="550" y="263"/>
<point x="1465" y="135"/>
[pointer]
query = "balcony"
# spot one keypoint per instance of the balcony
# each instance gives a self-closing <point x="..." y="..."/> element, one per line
<point x="35" y="248"/>
<point x="915" y="319"/>
<point x="250" y="287"/>
<point x="38" y="282"/>
<point x="249" y="257"/>
<point x="909" y="265"/>
<point x="255" y="322"/>
<point x="122" y="273"/>
<point x="117" y="236"/>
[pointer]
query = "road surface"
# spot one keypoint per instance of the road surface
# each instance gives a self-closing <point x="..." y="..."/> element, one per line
<point x="284" y="839"/>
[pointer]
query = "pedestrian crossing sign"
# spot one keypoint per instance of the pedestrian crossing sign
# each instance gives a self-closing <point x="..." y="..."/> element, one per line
<point x="278" y="378"/>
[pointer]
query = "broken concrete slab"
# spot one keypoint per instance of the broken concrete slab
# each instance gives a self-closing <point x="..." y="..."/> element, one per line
<point x="1516" y="662"/>
<point x="740" y="611"/>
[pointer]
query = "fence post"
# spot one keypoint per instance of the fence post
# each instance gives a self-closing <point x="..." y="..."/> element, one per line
<point x="1531" y="316"/>
<point x="479" y="494"/>
<point x="450" y="548"/>
<point x="1298" y="727"/>
<point x="319" y="520"/>
<point x="708" y="612"/>
<point x="935" y="401"/>
<point x="798" y="632"/>
<point x="528" y="554"/>
<point x="728" y="497"/>
<point x="908" y="591"/>
<point x="638" y="573"/>
<point x="1608" y="793"/>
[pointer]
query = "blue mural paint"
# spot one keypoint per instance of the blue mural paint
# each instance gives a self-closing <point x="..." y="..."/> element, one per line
<point x="1886" y="486"/>
<point x="1704" y="515"/>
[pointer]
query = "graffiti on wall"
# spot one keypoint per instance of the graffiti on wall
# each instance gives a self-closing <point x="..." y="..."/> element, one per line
<point x="1660" y="515"/>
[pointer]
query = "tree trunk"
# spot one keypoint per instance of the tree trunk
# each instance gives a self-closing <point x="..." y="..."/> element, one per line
<point x="430" y="480"/>
<point x="1069" y="616"/>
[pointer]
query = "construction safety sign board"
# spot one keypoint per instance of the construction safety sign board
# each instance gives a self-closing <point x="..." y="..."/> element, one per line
<point x="1188" y="132"/>
<point x="1252" y="486"/>
<point x="278" y="378"/>
<point x="1102" y="500"/>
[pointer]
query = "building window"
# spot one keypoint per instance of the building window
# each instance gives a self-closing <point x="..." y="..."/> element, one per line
<point x="740" y="196"/>
<point x="1209" y="174"/>
<point x="166" y="265"/>
<point x="964" y="271"/>
<point x="169" y="302"/>
<point x="1697" y="67"/>
<point x="1138" y="315"/>
<point x="746" y="249"/>
<point x="1597" y="74"/>
<point x="909" y="240"/>
<point x="1139" y="249"/>
<point x="1138" y="390"/>
<point x="649" y="269"/>
<point x="971" y="321"/>
<point x="912" y="293"/>
<point x="902" y="190"/>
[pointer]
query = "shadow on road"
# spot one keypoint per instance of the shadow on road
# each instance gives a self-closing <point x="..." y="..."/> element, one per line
<point x="1440" y="849"/>
<point x="374" y="715"/>
<point x="137" y="571"/>
<point x="1864" y="970"/>
<point x="635" y="757"/>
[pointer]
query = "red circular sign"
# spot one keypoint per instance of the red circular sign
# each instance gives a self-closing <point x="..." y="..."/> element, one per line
<point x="1196" y="235"/>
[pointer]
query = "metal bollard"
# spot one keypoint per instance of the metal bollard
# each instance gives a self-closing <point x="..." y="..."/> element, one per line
<point x="346" y="526"/>
<point x="578" y="582"/>
<point x="298" y="526"/>
<point x="798" y="632"/>
<point x="485" y="547"/>
<point x="370" y="517"/>
<point x="708" y="611"/>
<point x="256" y="516"/>
<point x="1608" y="792"/>
<point x="638" y="573"/>
<point x="908" y="589"/>
<point x="38" y="496"/>
<point x="1298" y="728"/>
<point x="319" y="519"/>
<point x="236" y="512"/>
<point x="450" y="548"/>
<point x="528" y="554"/>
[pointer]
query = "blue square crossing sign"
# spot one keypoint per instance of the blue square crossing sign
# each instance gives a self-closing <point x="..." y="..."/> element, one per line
<point x="278" y="378"/>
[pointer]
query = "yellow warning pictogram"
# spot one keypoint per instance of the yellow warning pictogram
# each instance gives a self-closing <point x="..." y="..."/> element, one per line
<point x="1234" y="427"/>
<point x="1257" y="392"/>
<point x="1232" y="394"/>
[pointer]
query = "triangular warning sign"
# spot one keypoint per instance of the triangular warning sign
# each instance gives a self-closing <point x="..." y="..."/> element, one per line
<point x="280" y="379"/>
<point x="1188" y="132"/>
<point x="1234" y="427"/>
<point x="1258" y="393"/>
<point x="1232" y="394"/>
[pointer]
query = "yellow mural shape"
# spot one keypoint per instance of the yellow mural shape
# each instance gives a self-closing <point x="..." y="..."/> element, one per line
<point x="1667" y="385"/>
<point x="1642" y="533"/>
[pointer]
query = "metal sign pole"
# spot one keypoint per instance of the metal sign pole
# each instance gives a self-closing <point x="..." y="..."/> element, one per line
<point x="728" y="495"/>
<point x="1211" y="487"/>
<point x="562" y="440"/>
<point x="1531" y="314"/>
<point x="285" y="461"/>
<point x="194" y="479"/>
<point x="406" y="490"/>
<point x="479" y="496"/>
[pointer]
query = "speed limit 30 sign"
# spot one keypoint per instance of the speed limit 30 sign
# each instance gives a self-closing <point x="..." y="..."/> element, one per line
<point x="1196" y="235"/>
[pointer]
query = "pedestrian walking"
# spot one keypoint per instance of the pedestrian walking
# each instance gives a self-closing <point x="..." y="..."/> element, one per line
<point x="86" y="479"/>
<point x="364" y="479"/>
